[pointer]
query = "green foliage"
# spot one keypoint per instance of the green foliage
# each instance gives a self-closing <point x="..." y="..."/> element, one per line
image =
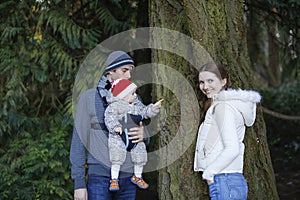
<point x="35" y="164"/>
<point x="42" y="45"/>
<point x="283" y="135"/>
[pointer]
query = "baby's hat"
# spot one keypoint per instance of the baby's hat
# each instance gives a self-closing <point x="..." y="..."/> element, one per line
<point x="122" y="87"/>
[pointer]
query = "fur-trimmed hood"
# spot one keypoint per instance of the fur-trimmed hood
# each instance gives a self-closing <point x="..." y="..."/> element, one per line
<point x="242" y="100"/>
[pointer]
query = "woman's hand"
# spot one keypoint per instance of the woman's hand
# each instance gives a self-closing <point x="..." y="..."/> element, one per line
<point x="80" y="194"/>
<point x="136" y="134"/>
<point x="209" y="182"/>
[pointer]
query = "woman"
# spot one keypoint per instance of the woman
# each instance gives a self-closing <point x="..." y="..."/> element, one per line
<point x="220" y="148"/>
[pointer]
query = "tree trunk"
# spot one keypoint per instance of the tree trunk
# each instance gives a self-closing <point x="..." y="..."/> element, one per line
<point x="219" y="27"/>
<point x="263" y="49"/>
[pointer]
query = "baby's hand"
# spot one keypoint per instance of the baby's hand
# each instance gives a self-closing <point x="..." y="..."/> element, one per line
<point x="157" y="105"/>
<point x="118" y="130"/>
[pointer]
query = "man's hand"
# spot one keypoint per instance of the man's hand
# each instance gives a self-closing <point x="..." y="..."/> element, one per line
<point x="137" y="134"/>
<point x="80" y="194"/>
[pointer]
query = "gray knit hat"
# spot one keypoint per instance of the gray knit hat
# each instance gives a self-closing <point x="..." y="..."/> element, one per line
<point x="118" y="59"/>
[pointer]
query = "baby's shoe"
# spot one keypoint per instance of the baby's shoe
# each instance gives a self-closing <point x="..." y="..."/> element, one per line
<point x="139" y="182"/>
<point x="114" y="185"/>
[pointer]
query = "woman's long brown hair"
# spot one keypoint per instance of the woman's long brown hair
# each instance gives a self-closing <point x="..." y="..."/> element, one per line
<point x="219" y="70"/>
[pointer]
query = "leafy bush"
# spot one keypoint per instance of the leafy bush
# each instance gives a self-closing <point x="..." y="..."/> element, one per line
<point x="43" y="44"/>
<point x="283" y="135"/>
<point x="35" y="164"/>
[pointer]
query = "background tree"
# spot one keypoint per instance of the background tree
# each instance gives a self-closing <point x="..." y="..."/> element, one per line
<point x="220" y="28"/>
<point x="273" y="41"/>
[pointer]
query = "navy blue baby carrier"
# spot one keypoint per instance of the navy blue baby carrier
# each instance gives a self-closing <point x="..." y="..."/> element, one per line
<point x="127" y="122"/>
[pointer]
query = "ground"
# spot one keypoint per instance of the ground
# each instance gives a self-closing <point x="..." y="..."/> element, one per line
<point x="288" y="184"/>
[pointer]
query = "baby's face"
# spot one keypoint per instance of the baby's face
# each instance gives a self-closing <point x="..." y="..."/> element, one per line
<point x="130" y="97"/>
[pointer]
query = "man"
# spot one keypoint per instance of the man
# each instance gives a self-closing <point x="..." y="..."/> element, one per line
<point x="91" y="134"/>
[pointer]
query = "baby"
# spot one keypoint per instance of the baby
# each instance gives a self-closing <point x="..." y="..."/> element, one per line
<point x="123" y="113"/>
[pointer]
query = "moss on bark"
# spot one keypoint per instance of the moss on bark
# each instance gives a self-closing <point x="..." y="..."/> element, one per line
<point x="219" y="27"/>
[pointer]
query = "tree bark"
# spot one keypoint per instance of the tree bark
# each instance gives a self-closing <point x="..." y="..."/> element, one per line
<point x="220" y="28"/>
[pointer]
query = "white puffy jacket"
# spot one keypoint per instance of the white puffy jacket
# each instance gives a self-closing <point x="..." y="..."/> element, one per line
<point x="220" y="147"/>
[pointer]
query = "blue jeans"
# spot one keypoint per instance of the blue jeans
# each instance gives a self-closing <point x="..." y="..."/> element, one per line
<point x="228" y="187"/>
<point x="98" y="189"/>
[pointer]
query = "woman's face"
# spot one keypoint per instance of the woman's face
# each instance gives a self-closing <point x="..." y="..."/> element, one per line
<point x="210" y="84"/>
